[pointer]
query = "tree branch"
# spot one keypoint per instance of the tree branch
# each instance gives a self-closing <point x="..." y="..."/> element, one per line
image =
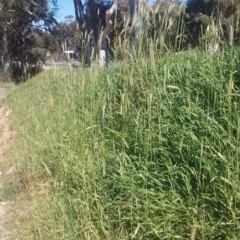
<point x="79" y="11"/>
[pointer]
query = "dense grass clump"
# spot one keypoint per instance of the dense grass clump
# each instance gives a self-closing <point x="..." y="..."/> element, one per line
<point x="146" y="150"/>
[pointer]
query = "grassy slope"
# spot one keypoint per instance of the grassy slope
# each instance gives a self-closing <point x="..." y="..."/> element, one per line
<point x="141" y="151"/>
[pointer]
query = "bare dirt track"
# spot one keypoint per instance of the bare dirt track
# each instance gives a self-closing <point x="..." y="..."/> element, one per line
<point x="5" y="135"/>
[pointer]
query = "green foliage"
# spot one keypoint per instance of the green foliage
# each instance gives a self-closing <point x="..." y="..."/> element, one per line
<point x="48" y="43"/>
<point x="224" y="14"/>
<point x="16" y="18"/>
<point x="146" y="150"/>
<point x="37" y="54"/>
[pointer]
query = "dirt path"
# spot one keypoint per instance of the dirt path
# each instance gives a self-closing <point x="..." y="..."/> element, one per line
<point x="5" y="135"/>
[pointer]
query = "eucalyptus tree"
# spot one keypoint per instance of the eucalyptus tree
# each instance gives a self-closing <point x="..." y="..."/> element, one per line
<point x="91" y="19"/>
<point x="97" y="14"/>
<point x="15" y="28"/>
<point x="138" y="17"/>
<point x="18" y="31"/>
<point x="103" y="52"/>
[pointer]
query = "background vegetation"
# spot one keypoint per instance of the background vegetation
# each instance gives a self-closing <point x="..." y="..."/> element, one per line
<point x="170" y="25"/>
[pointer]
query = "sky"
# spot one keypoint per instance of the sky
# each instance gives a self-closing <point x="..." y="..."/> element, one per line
<point x="66" y="7"/>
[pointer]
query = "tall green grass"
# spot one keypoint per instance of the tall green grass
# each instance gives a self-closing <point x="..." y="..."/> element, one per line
<point x="146" y="150"/>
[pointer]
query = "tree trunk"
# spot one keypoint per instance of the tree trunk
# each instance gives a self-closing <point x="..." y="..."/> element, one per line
<point x="86" y="41"/>
<point x="79" y="12"/>
<point x="87" y="49"/>
<point x="104" y="39"/>
<point x="55" y="39"/>
<point x="5" y="58"/>
<point x="91" y="32"/>
<point x="23" y="64"/>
